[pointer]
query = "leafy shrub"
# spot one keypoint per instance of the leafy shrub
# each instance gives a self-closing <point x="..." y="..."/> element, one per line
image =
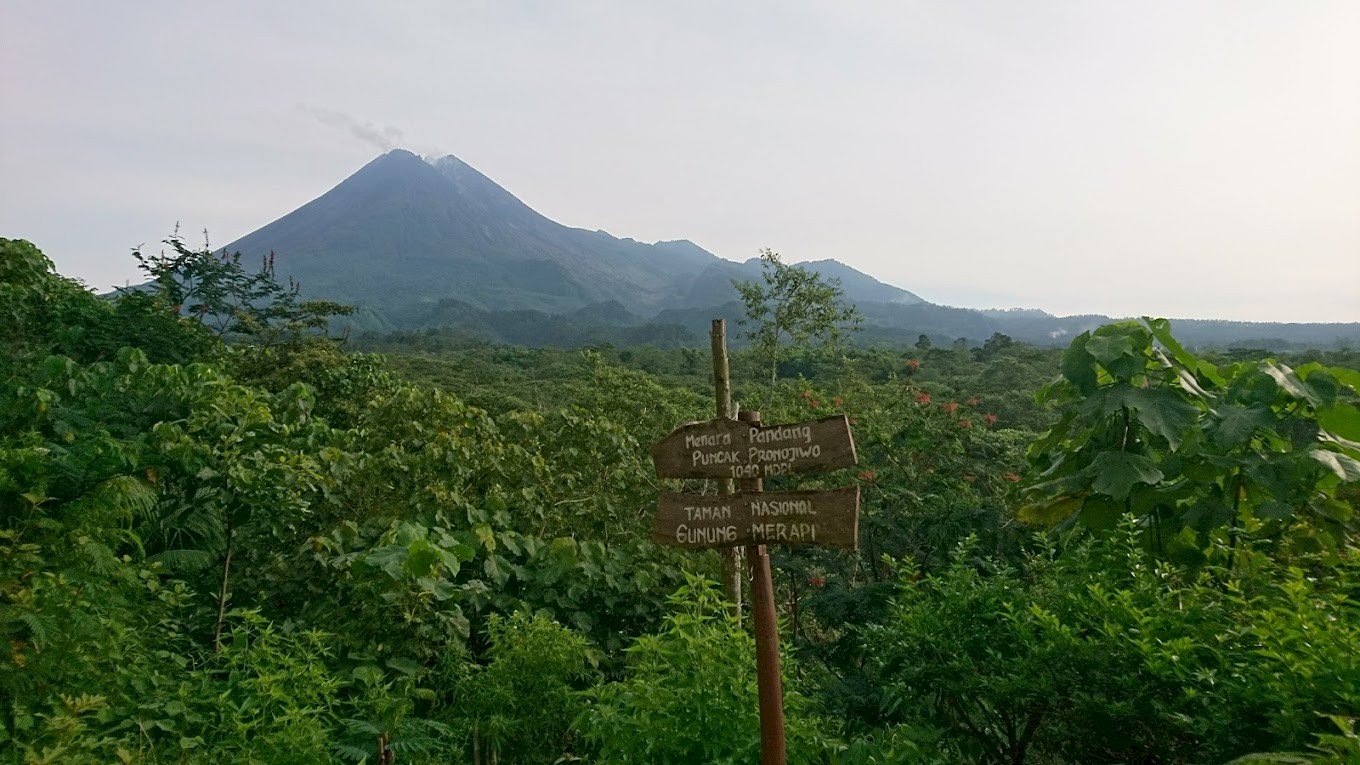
<point x="1149" y="429"/>
<point x="1094" y="652"/>
<point x="689" y="693"/>
<point x="519" y="707"/>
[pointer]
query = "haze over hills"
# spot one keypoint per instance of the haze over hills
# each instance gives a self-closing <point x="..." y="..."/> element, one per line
<point x="418" y="244"/>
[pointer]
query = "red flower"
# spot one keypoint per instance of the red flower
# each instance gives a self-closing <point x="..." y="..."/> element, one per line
<point x="966" y="423"/>
<point x="817" y="581"/>
<point x="867" y="475"/>
<point x="951" y="407"/>
<point x="974" y="401"/>
<point x="923" y="398"/>
<point x="990" y="419"/>
<point x="837" y="401"/>
<point x="1012" y="477"/>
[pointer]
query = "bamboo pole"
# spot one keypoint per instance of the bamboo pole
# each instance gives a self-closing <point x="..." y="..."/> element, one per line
<point x="722" y="394"/>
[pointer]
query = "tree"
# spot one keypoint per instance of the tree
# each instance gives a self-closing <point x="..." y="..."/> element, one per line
<point x="992" y="346"/>
<point x="791" y="306"/>
<point x="1148" y="429"/>
<point x="215" y="289"/>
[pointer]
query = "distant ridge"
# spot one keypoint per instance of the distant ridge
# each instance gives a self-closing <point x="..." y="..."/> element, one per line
<point x="416" y="243"/>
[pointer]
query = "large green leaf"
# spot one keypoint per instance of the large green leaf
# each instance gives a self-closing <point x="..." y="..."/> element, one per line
<point x="421" y="558"/>
<point x="1161" y="329"/>
<point x="1340" y="419"/>
<point x="1115" y="473"/>
<point x="1163" y="412"/>
<point x="1345" y="443"/>
<point x="1050" y="512"/>
<point x="1320" y="381"/>
<point x="1121" y="349"/>
<point x="1236" y="423"/>
<point x="1347" y="377"/>
<point x="1346" y="468"/>
<point x="1290" y="383"/>
<point x="1107" y="349"/>
<point x="390" y="558"/>
<point x="1078" y="366"/>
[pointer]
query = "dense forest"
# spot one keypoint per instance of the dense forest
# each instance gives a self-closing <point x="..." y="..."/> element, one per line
<point x="226" y="536"/>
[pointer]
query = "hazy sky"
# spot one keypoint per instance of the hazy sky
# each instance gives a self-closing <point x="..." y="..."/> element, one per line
<point x="1182" y="158"/>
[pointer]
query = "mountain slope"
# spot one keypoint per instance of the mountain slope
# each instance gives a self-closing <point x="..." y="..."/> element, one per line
<point x="402" y="234"/>
<point x="714" y="285"/>
<point x="401" y="231"/>
<point x="415" y="243"/>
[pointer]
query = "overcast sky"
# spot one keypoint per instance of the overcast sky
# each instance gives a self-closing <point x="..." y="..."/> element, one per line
<point x="1181" y="158"/>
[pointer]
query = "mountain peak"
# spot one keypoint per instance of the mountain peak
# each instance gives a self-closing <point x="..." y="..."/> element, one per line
<point x="476" y="187"/>
<point x="396" y="157"/>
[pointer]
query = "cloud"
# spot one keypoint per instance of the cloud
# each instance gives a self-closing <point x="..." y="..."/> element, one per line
<point x="385" y="137"/>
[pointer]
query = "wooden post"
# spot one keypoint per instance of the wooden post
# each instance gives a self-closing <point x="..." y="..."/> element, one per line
<point x="722" y="393"/>
<point x="773" y="749"/>
<point x="385" y="754"/>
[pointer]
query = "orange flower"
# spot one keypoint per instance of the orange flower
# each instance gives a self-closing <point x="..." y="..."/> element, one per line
<point x="951" y="407"/>
<point x="913" y="364"/>
<point x="966" y="424"/>
<point x="837" y="401"/>
<point x="867" y="475"/>
<point x="990" y="419"/>
<point x="923" y="398"/>
<point x="1012" y="477"/>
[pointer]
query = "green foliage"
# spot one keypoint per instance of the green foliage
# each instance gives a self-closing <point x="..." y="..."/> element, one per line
<point x="794" y="306"/>
<point x="1093" y="652"/>
<point x="47" y="314"/>
<point x="370" y="526"/>
<point x="272" y="550"/>
<point x="1188" y="448"/>
<point x="519" y="707"/>
<point x="214" y="289"/>
<point x="689" y="693"/>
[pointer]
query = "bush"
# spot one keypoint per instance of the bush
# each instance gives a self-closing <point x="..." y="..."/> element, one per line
<point x="1094" y="652"/>
<point x="520" y="706"/>
<point x="689" y="694"/>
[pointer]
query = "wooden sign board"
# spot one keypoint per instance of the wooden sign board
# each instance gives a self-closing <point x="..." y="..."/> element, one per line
<point x="826" y="518"/>
<point x="723" y="448"/>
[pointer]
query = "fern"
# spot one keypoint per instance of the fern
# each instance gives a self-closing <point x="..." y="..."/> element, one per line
<point x="40" y="627"/>
<point x="183" y="560"/>
<point x="350" y="753"/>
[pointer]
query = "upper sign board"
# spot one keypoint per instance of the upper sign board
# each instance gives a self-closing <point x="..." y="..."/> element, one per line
<point x="723" y="448"/>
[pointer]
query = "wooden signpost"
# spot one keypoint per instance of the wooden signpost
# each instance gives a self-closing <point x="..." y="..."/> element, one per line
<point x="744" y="449"/>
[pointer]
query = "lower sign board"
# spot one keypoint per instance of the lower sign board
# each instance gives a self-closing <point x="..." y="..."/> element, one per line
<point x="826" y="518"/>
